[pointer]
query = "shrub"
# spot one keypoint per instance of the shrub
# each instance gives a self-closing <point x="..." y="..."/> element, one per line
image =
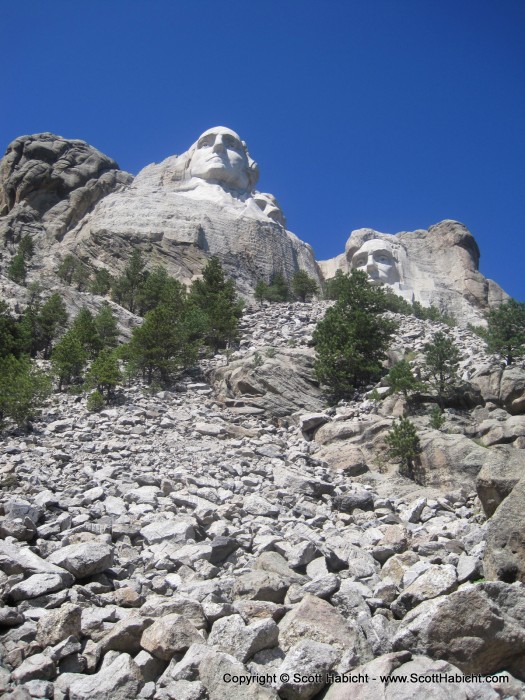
<point x="23" y="388"/>
<point x="505" y="332"/>
<point x="303" y="286"/>
<point x="401" y="380"/>
<point x="437" y="418"/>
<point x="442" y="358"/>
<point x="95" y="402"/>
<point x="403" y="445"/>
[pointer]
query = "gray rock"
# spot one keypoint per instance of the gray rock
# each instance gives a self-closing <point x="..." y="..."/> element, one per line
<point x="233" y="636"/>
<point x="480" y="629"/>
<point x="169" y="635"/>
<point x="35" y="586"/>
<point x="36" y="667"/>
<point x="348" y="502"/>
<point x="120" y="680"/>
<point x="307" y="664"/>
<point x="505" y="551"/>
<point x="84" y="559"/>
<point x="57" y="625"/>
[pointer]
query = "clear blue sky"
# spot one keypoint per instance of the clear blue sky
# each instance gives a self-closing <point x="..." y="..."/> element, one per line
<point x="391" y="114"/>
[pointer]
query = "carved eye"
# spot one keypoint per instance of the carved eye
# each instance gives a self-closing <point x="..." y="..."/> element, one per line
<point x="384" y="259"/>
<point x="360" y="262"/>
<point x="204" y="144"/>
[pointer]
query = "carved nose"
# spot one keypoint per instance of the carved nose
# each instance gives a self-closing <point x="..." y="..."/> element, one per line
<point x="370" y="263"/>
<point x="218" y="145"/>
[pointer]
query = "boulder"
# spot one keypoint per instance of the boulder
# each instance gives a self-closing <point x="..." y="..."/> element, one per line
<point x="505" y="549"/>
<point x="502" y="470"/>
<point x="281" y="385"/>
<point x="120" y="680"/>
<point x="480" y="629"/>
<point x="170" y="635"/>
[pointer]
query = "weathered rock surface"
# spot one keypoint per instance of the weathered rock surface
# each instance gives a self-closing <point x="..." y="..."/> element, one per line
<point x="505" y="551"/>
<point x="438" y="266"/>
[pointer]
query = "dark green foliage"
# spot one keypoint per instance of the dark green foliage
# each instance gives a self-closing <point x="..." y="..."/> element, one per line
<point x="68" y="359"/>
<point x="397" y="304"/>
<point x="125" y="290"/>
<point x="334" y="286"/>
<point x="401" y="380"/>
<point x="437" y="419"/>
<point x="106" y="326"/>
<point x="158" y="288"/>
<point x="303" y="286"/>
<point x="168" y="340"/>
<point x="81" y="277"/>
<point x="16" y="270"/>
<point x="352" y="339"/>
<point x="26" y="247"/>
<point x="276" y="291"/>
<point x="102" y="282"/>
<point x="431" y="313"/>
<point x="215" y="297"/>
<point x="505" y="333"/>
<point x="85" y="329"/>
<point x="11" y="335"/>
<point x="67" y="268"/>
<point x="403" y="445"/>
<point x="95" y="402"/>
<point x="42" y="324"/>
<point x="23" y="388"/>
<point x="104" y="373"/>
<point x="442" y="359"/>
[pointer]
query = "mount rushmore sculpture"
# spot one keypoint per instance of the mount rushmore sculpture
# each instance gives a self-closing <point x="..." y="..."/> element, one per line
<point x="72" y="199"/>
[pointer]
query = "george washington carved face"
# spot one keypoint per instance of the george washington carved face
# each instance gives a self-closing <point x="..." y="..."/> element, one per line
<point x="219" y="156"/>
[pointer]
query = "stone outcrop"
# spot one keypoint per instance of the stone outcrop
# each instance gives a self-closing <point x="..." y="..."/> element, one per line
<point x="438" y="267"/>
<point x="48" y="184"/>
<point x="505" y="552"/>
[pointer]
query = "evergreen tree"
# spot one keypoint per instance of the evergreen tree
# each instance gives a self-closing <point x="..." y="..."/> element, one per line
<point x="261" y="291"/>
<point x="154" y="290"/>
<point x="81" y="276"/>
<point x="278" y="290"/>
<point x="505" y="333"/>
<point x="23" y="388"/>
<point x="11" y="336"/>
<point x="85" y="329"/>
<point x="104" y="373"/>
<point x="401" y="380"/>
<point x="215" y="296"/>
<point x="68" y="359"/>
<point x="26" y="247"/>
<point x="126" y="287"/>
<point x="442" y="359"/>
<point x="102" y="282"/>
<point x="303" y="286"/>
<point x="67" y="268"/>
<point x="51" y="319"/>
<point x="167" y="341"/>
<point x="106" y="326"/>
<point x="403" y="445"/>
<point x="16" y="270"/>
<point x="334" y="286"/>
<point x="352" y="338"/>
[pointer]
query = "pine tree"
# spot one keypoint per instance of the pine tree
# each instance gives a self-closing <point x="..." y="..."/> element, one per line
<point x="85" y="329"/>
<point x="106" y="326"/>
<point x="104" y="373"/>
<point x="11" y="334"/>
<point x="401" y="380"/>
<point x="68" y="359"/>
<point x="51" y="320"/>
<point x="505" y="333"/>
<point x="303" y="286"/>
<point x="16" y="270"/>
<point x="67" y="268"/>
<point x="216" y="297"/>
<point x="352" y="338"/>
<point x="442" y="359"/>
<point x="126" y="287"/>
<point x="23" y="388"/>
<point x="261" y="291"/>
<point x="102" y="282"/>
<point x="403" y="445"/>
<point x="26" y="247"/>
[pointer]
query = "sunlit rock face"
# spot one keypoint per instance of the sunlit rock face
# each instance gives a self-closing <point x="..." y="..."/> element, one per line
<point x="198" y="204"/>
<point x="438" y="267"/>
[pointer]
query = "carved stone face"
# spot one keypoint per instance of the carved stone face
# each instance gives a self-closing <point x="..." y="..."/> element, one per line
<point x="376" y="258"/>
<point x="268" y="204"/>
<point x="220" y="157"/>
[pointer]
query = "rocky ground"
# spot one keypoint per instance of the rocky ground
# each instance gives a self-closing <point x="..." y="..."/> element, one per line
<point x="204" y="543"/>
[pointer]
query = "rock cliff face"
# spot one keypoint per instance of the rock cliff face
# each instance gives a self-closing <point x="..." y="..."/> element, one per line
<point x="72" y="199"/>
<point x="438" y="267"/>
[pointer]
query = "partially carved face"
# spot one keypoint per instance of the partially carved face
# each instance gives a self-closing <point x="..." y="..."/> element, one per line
<point x="220" y="157"/>
<point x="268" y="204"/>
<point x="376" y="258"/>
